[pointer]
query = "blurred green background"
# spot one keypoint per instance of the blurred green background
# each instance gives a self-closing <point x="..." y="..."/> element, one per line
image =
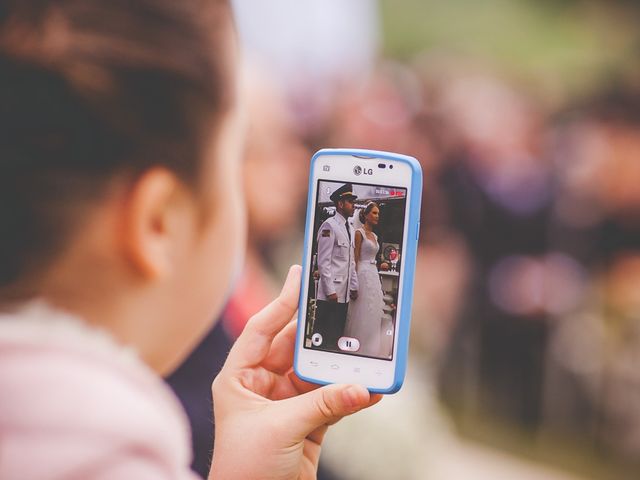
<point x="566" y="47"/>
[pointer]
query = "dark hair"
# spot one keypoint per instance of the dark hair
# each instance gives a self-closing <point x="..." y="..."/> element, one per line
<point x="366" y="211"/>
<point x="91" y="89"/>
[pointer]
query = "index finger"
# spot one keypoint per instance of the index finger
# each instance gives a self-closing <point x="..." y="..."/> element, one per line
<point x="254" y="343"/>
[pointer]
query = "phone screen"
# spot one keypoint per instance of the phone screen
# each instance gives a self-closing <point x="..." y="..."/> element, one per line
<point x="355" y="271"/>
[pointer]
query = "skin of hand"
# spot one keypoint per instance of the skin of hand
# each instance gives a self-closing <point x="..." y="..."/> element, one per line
<point x="270" y="424"/>
<point x="384" y="266"/>
<point x="333" y="297"/>
<point x="353" y="294"/>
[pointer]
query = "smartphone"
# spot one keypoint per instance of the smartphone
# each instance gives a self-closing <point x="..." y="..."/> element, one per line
<point x="361" y="236"/>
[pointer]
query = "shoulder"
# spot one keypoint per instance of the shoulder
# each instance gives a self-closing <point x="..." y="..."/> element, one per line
<point x="333" y="221"/>
<point x="329" y="223"/>
<point x="326" y="229"/>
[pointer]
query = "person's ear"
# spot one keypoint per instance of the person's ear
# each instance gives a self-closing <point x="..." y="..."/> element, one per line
<point x="154" y="216"/>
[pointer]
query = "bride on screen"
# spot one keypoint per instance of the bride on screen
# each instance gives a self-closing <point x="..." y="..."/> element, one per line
<point x="364" y="317"/>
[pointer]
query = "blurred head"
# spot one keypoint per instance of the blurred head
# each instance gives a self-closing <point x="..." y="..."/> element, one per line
<point x="381" y="111"/>
<point x="118" y="149"/>
<point x="596" y="150"/>
<point x="275" y="161"/>
<point x="370" y="215"/>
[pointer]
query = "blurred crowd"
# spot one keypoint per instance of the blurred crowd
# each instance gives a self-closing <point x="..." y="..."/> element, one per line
<point x="527" y="296"/>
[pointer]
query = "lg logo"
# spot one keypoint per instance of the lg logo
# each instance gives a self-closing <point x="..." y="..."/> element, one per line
<point x="358" y="170"/>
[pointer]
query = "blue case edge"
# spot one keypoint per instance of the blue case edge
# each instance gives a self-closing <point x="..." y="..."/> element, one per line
<point x="408" y="270"/>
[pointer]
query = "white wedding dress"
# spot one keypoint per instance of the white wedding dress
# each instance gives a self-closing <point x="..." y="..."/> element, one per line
<point x="364" y="316"/>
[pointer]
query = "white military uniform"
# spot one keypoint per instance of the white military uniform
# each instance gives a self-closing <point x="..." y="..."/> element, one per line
<point x="336" y="262"/>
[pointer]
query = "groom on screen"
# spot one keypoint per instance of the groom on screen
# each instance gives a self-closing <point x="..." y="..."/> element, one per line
<point x="337" y="269"/>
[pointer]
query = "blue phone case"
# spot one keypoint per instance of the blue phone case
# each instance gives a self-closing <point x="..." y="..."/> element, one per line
<point x="408" y="269"/>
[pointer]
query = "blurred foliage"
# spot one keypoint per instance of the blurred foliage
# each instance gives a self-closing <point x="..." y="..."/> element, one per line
<point x="566" y="47"/>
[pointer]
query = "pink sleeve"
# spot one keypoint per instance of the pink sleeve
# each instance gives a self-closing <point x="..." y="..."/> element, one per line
<point x="138" y="467"/>
<point x="75" y="416"/>
<point x="56" y="455"/>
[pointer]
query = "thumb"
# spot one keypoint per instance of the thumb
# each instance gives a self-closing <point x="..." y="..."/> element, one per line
<point x="324" y="406"/>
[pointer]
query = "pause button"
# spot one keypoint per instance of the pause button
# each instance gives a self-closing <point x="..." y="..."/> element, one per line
<point x="348" y="344"/>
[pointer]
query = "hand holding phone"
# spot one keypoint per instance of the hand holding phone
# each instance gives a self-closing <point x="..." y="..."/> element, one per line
<point x="353" y="320"/>
<point x="256" y="392"/>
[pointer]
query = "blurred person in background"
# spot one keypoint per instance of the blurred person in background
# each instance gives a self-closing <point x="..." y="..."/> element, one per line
<point x="595" y="348"/>
<point x="380" y="112"/>
<point x="594" y="146"/>
<point x="497" y="189"/>
<point x="275" y="186"/>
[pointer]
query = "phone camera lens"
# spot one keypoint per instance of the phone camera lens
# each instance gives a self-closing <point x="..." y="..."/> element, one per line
<point x="390" y="166"/>
<point x="382" y="165"/>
